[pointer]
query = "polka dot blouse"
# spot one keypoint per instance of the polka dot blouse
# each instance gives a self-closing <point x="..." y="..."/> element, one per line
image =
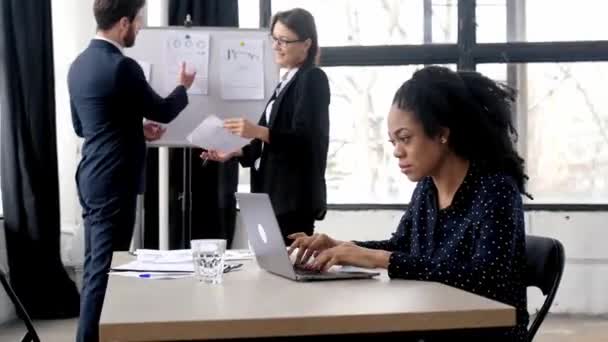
<point x="476" y="244"/>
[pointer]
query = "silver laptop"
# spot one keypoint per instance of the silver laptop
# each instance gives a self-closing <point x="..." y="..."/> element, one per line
<point x="268" y="246"/>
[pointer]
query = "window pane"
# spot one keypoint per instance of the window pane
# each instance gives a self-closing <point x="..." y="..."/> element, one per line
<point x="568" y="20"/>
<point x="563" y="111"/>
<point x="361" y="167"/>
<point x="364" y="22"/>
<point x="249" y="14"/>
<point x="445" y="21"/>
<point x="542" y="20"/>
<point x="491" y="19"/>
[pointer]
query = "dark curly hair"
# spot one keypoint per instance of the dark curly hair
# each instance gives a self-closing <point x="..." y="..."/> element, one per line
<point x="476" y="110"/>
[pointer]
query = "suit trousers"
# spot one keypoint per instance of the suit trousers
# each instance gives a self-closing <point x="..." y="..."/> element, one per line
<point x="295" y="222"/>
<point x="108" y="227"/>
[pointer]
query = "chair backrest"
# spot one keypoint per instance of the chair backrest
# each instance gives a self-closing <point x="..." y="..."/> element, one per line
<point x="545" y="266"/>
<point x="30" y="335"/>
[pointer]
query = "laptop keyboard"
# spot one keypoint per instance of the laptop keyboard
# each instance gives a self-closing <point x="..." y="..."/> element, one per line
<point x="305" y="271"/>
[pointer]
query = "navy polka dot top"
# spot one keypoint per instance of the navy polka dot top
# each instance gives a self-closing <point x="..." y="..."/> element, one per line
<point x="476" y="244"/>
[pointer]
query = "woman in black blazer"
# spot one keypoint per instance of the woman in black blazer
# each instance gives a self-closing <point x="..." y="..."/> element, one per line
<point x="288" y="153"/>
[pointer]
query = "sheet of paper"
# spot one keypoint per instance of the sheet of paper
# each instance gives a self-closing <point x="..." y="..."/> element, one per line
<point x="192" y="48"/>
<point x="164" y="257"/>
<point x="238" y="254"/>
<point x="139" y="266"/>
<point x="211" y="135"/>
<point x="146" y="67"/>
<point x="185" y="255"/>
<point x="242" y="69"/>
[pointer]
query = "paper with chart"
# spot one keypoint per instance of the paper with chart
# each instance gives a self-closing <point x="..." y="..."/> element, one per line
<point x="192" y="48"/>
<point x="212" y="135"/>
<point x="242" y="69"/>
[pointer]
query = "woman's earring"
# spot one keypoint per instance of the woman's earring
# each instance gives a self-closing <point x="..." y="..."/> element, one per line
<point x="444" y="140"/>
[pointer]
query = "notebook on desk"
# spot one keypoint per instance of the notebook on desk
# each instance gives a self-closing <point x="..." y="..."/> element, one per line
<point x="267" y="242"/>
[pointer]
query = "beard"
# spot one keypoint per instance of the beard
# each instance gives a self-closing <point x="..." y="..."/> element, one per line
<point x="129" y="39"/>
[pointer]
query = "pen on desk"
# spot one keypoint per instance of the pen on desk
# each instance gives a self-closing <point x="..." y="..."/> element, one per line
<point x="231" y="267"/>
<point x="168" y="274"/>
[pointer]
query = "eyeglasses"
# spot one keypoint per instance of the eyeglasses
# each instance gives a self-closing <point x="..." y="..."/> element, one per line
<point x="282" y="42"/>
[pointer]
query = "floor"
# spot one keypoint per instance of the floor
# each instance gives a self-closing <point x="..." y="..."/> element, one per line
<point x="554" y="329"/>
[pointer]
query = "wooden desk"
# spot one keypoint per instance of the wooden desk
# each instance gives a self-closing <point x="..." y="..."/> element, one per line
<point x="254" y="303"/>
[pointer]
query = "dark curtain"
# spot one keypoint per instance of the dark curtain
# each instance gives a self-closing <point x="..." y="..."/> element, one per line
<point x="204" y="12"/>
<point x="150" y="214"/>
<point x="201" y="198"/>
<point x="30" y="186"/>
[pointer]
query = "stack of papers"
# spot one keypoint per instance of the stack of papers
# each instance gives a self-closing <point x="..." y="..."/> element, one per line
<point x="185" y="255"/>
<point x="154" y="256"/>
<point x="172" y="264"/>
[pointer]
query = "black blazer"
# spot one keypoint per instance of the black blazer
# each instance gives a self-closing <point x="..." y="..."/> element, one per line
<point x="292" y="165"/>
<point x="109" y="97"/>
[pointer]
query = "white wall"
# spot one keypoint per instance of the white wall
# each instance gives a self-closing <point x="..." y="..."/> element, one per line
<point x="584" y="236"/>
<point x="73" y="28"/>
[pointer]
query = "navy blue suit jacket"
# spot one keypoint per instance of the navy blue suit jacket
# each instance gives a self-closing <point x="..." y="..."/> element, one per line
<point x="109" y="97"/>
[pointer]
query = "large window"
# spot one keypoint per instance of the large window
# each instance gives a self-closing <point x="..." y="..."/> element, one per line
<point x="551" y="51"/>
<point x="541" y="20"/>
<point x="563" y="118"/>
<point x="360" y="101"/>
<point x="365" y="22"/>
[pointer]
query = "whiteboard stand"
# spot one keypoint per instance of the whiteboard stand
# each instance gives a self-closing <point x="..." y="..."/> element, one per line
<point x="137" y="238"/>
<point x="150" y="47"/>
<point x="163" y="198"/>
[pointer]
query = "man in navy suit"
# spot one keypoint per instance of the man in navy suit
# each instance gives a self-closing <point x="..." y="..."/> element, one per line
<point x="110" y="97"/>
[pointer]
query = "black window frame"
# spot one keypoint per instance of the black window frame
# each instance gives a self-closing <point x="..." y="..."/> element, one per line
<point x="466" y="53"/>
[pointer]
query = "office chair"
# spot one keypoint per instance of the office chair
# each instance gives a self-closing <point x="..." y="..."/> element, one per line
<point x="544" y="269"/>
<point x="30" y="335"/>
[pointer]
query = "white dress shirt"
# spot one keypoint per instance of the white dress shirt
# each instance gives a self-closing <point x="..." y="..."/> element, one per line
<point x="118" y="46"/>
<point x="287" y="76"/>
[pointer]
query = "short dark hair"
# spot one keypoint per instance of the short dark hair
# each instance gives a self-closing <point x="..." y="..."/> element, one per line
<point x="303" y="24"/>
<point x="109" y="12"/>
<point x="477" y="111"/>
